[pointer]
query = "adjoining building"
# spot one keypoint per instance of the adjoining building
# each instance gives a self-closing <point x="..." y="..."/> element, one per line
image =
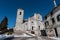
<point x="52" y="22"/>
<point x="32" y="24"/>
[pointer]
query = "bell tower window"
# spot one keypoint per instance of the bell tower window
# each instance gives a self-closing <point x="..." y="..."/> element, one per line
<point x="20" y="13"/>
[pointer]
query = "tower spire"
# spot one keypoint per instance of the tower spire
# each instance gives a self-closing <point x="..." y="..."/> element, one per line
<point x="55" y="3"/>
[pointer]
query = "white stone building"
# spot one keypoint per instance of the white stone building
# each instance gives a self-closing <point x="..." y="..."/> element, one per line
<point x="52" y="22"/>
<point x="33" y="23"/>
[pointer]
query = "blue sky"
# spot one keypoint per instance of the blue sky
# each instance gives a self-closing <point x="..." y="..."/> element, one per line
<point x="9" y="8"/>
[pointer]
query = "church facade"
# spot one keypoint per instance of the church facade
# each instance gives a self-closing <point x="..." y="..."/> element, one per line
<point x="33" y="24"/>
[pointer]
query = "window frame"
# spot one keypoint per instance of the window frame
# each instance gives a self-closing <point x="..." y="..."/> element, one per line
<point x="58" y="19"/>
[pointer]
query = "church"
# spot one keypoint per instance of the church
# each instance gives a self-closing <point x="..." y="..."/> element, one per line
<point x="33" y="24"/>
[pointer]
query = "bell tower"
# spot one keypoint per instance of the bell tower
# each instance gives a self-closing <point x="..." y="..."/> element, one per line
<point x="19" y="20"/>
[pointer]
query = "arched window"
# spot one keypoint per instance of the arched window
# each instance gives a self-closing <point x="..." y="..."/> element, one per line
<point x="20" y="13"/>
<point x="58" y="17"/>
<point x="32" y="27"/>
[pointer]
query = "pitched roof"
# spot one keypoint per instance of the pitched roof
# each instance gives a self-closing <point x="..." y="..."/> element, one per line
<point x="55" y="9"/>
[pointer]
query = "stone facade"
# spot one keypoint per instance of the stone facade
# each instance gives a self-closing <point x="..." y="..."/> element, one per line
<point x="33" y="23"/>
<point x="19" y="19"/>
<point x="52" y="21"/>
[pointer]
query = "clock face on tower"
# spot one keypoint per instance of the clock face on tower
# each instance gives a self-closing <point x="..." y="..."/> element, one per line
<point x="20" y="13"/>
